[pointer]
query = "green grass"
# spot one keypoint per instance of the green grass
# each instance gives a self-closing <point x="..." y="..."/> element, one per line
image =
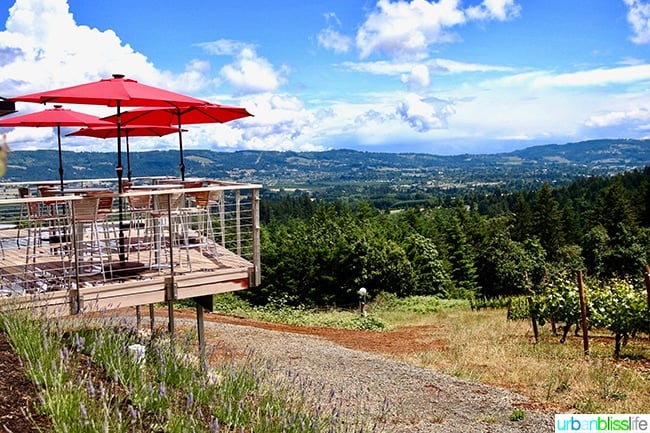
<point x="383" y="314"/>
<point x="279" y="312"/>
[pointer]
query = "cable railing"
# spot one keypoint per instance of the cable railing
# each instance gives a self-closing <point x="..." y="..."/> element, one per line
<point x="90" y="237"/>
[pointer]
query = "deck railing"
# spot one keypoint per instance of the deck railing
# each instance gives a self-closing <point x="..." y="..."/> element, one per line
<point x="56" y="251"/>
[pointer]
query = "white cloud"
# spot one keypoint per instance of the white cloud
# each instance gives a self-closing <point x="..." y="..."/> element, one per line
<point x="635" y="116"/>
<point x="494" y="9"/>
<point x="453" y="66"/>
<point x="224" y="47"/>
<point x="440" y="66"/>
<point x="597" y="77"/>
<point x="406" y="29"/>
<point x="421" y="115"/>
<point x="250" y="73"/>
<point x="417" y="79"/>
<point x="42" y="35"/>
<point x="639" y="17"/>
<point x="281" y="122"/>
<point x="333" y="40"/>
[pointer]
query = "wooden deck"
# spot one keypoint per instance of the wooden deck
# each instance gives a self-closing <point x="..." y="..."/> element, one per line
<point x="130" y="275"/>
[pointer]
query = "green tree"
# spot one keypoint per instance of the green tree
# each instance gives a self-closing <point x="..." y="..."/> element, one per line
<point x="522" y="219"/>
<point x="389" y="269"/>
<point x="462" y="260"/>
<point x="615" y="211"/>
<point x="547" y="221"/>
<point x="506" y="267"/>
<point x="430" y="275"/>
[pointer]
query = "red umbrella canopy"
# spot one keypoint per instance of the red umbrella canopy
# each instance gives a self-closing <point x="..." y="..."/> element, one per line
<point x="116" y="91"/>
<point x="207" y="113"/>
<point x="57" y="117"/>
<point x="126" y="130"/>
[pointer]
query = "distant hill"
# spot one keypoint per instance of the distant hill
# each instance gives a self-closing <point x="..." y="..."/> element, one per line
<point x="312" y="170"/>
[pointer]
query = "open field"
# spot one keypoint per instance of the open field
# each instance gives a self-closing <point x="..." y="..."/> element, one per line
<point x="483" y="346"/>
<point x="479" y="346"/>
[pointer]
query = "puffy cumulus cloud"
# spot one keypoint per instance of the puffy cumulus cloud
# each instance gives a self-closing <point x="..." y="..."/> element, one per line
<point x="42" y="35"/>
<point x="408" y="28"/>
<point x="417" y="79"/>
<point x="403" y="29"/>
<point x="423" y="115"/>
<point x="281" y="122"/>
<point x="494" y="9"/>
<point x="639" y="17"/>
<point x="251" y="74"/>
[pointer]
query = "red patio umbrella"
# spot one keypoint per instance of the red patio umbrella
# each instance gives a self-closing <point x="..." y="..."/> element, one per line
<point x="55" y="117"/>
<point x="127" y="131"/>
<point x="114" y="92"/>
<point x="207" y="113"/>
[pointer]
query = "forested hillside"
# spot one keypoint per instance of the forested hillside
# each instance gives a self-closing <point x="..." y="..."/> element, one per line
<point x="389" y="179"/>
<point x="498" y="244"/>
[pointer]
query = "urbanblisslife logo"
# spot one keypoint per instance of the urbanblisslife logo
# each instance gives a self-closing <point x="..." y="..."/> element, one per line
<point x="631" y="423"/>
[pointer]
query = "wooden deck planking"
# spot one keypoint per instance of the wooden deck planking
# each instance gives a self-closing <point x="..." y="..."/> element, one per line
<point x="209" y="275"/>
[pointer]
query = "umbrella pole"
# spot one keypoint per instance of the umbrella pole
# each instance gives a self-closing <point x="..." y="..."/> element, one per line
<point x="58" y="133"/>
<point x="128" y="157"/>
<point x="120" y="201"/>
<point x="180" y="144"/>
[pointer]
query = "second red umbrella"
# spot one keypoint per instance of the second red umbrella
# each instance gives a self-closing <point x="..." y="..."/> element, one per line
<point x="55" y="117"/>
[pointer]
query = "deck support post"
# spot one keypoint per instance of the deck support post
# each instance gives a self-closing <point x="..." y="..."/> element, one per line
<point x="75" y="301"/>
<point x="138" y="317"/>
<point x="201" y="335"/>
<point x="152" y="318"/>
<point x="205" y="302"/>
<point x="171" y="293"/>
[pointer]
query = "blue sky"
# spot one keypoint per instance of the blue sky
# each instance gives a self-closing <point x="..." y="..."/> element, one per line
<point x="434" y="76"/>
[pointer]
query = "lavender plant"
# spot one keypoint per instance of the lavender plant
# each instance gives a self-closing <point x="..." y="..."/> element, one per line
<point x="98" y="378"/>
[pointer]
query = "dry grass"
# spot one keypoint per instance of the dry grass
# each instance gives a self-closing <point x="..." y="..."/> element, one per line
<point x="485" y="347"/>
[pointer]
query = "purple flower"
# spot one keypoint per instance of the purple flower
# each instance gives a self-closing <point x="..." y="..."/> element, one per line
<point x="133" y="414"/>
<point x="214" y="426"/>
<point x="90" y="387"/>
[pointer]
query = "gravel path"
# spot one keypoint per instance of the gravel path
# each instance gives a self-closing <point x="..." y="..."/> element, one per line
<point x="417" y="399"/>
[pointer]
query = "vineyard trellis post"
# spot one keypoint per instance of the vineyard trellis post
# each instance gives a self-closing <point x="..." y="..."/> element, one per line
<point x="533" y="318"/>
<point x="646" y="278"/>
<point x="583" y="313"/>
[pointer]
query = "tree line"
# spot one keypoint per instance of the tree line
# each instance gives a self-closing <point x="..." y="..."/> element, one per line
<point x="500" y="243"/>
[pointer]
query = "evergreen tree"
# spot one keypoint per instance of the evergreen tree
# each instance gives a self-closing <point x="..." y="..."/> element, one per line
<point x="430" y="275"/>
<point x="522" y="225"/>
<point x="462" y="262"/>
<point x="547" y="221"/>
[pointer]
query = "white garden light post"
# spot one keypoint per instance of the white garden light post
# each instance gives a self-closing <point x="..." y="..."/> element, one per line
<point x="363" y="296"/>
